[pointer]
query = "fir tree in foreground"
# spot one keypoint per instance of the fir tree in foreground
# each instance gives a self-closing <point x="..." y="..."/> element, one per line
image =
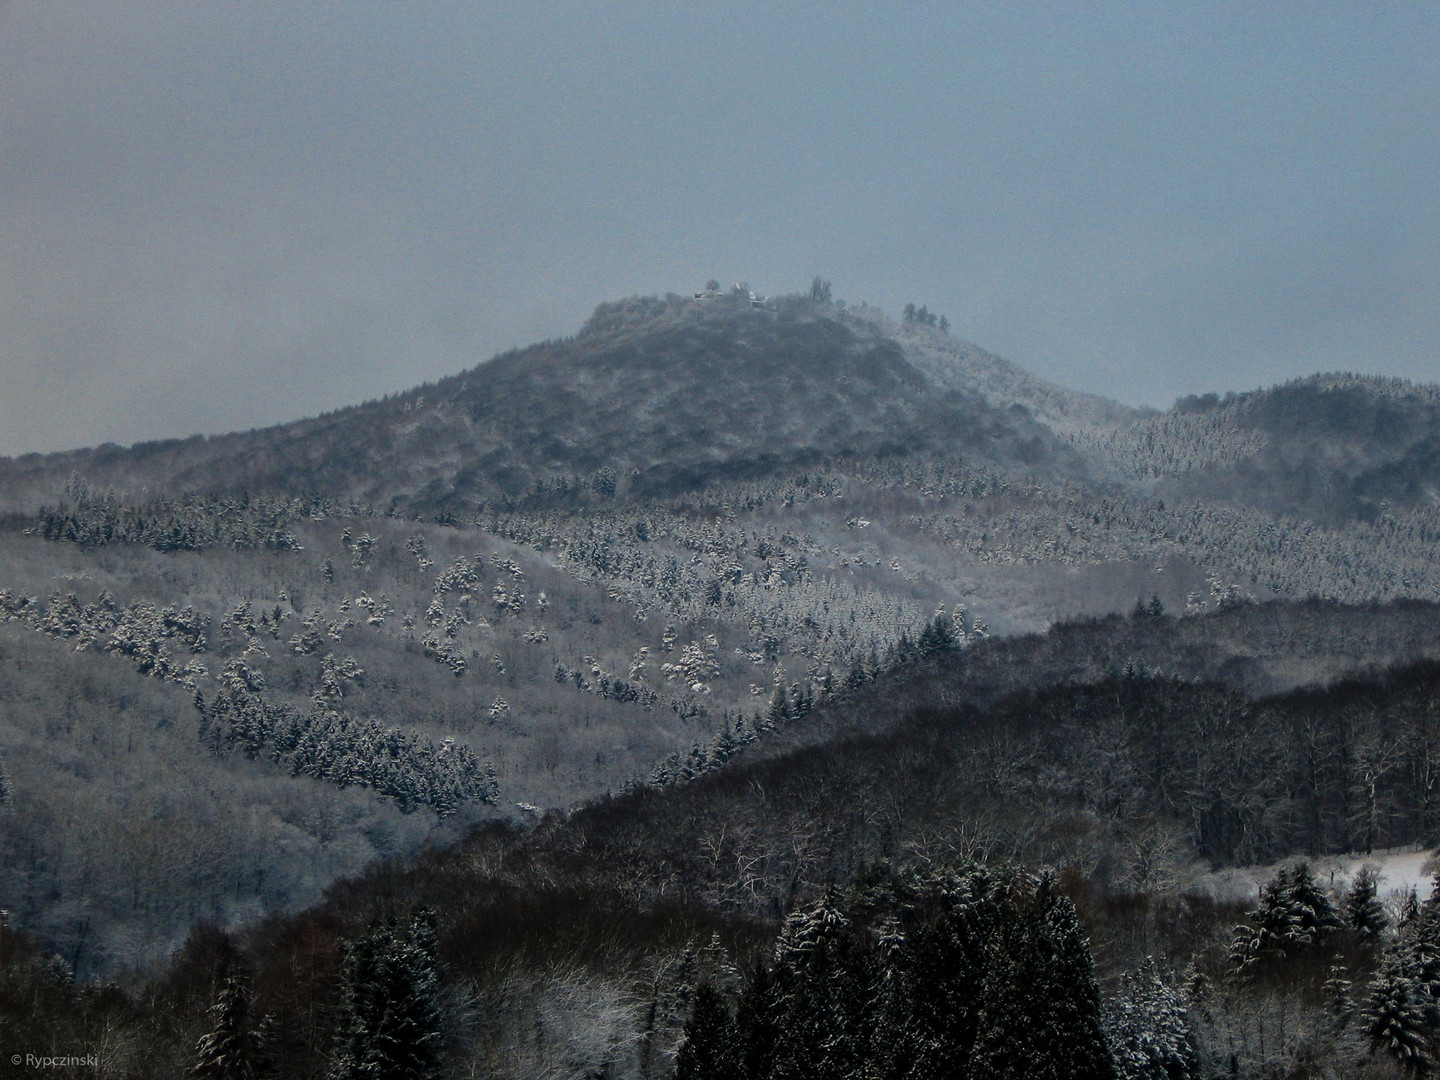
<point x="231" y="1049"/>
<point x="1040" y="1005"/>
<point x="1395" y="1020"/>
<point x="709" y="1051"/>
<point x="390" y="1011"/>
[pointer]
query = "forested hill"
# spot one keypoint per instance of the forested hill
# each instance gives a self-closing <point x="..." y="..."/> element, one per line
<point x="652" y="396"/>
<point x="656" y="396"/>
<point x="840" y="607"/>
<point x="589" y="944"/>
<point x="1330" y="448"/>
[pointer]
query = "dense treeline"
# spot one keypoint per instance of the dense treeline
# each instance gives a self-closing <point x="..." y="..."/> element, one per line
<point x="971" y="970"/>
<point x="957" y="975"/>
<point x="831" y="593"/>
<point x="778" y="574"/>
<point x="1130" y="778"/>
<point x="140" y="632"/>
<point x="1004" y="520"/>
<point x="1351" y="767"/>
<point x="189" y="523"/>
<point x="329" y="745"/>
<point x="321" y="742"/>
<point x="1332" y="447"/>
<point x="944" y="634"/>
<point x="119" y="830"/>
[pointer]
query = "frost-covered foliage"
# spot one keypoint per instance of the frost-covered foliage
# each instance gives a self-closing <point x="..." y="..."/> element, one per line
<point x="1294" y="913"/>
<point x="1008" y="522"/>
<point x="143" y="633"/>
<point x="1148" y="1024"/>
<point x="1396" y="1019"/>
<point x="340" y="749"/>
<point x="189" y="523"/>
<point x="1334" y="448"/>
<point x="1177" y="442"/>
<point x="1209" y="431"/>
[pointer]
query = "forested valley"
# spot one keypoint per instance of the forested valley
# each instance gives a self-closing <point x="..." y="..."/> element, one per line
<point x="733" y="689"/>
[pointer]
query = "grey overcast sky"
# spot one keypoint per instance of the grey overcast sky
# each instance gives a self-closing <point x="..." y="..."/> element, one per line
<point x="217" y="215"/>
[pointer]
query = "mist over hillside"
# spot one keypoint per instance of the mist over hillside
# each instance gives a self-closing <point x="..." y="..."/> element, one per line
<point x="708" y="541"/>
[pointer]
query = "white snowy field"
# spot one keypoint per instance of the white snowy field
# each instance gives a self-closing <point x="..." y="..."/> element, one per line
<point x="1399" y="869"/>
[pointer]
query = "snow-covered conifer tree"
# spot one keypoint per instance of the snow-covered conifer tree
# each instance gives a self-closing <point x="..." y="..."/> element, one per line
<point x="390" y="1009"/>
<point x="1040" y="1004"/>
<point x="232" y="1049"/>
<point x="1364" y="913"/>
<point x="1395" y="1019"/>
<point x="709" y="1050"/>
<point x="1149" y="1031"/>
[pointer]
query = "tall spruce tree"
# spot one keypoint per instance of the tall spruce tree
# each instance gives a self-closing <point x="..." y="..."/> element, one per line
<point x="933" y="978"/>
<point x="1395" y="1019"/>
<point x="1409" y="909"/>
<point x="823" y="996"/>
<point x="1417" y="951"/>
<point x="709" y="1050"/>
<point x="390" y="1011"/>
<point x="232" y="1049"/>
<point x="898" y="1049"/>
<point x="1040" y="1005"/>
<point x="757" y="1026"/>
<point x="779" y="713"/>
<point x="1364" y="913"/>
<point x="938" y="635"/>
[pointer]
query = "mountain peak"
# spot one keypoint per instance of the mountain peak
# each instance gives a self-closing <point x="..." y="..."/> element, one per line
<point x="663" y="393"/>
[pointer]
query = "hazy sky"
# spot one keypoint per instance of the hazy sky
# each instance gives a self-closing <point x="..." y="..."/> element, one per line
<point x="215" y="216"/>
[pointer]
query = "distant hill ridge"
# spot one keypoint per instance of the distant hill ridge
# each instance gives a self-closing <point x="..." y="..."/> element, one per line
<point x="657" y="395"/>
<point x="1385" y="385"/>
<point x="1332" y="446"/>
